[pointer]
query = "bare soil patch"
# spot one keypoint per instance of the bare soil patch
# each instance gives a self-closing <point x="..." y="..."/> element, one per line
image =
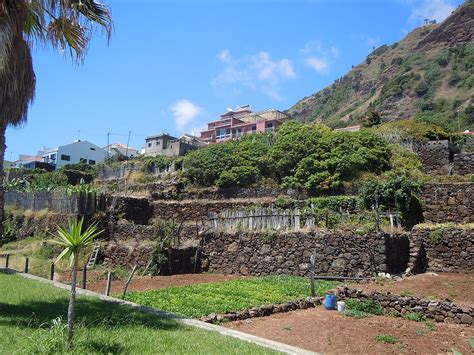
<point x="330" y="332"/>
<point x="96" y="281"/>
<point x="458" y="288"/>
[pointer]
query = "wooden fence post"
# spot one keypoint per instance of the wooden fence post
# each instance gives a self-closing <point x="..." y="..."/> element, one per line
<point x="84" y="277"/>
<point x="109" y="283"/>
<point x="27" y="261"/>
<point x="51" y="275"/>
<point x="7" y="260"/>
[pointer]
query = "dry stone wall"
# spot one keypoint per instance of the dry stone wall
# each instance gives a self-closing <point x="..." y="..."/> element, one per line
<point x="450" y="202"/>
<point x="434" y="156"/>
<point x="442" y="250"/>
<point x="439" y="311"/>
<point x="340" y="253"/>
<point x="463" y="164"/>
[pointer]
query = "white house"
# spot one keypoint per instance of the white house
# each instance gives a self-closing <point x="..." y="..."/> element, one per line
<point x="75" y="153"/>
<point x="119" y="149"/>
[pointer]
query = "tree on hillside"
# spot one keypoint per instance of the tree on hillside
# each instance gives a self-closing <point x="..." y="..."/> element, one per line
<point x="63" y="24"/>
<point x="75" y="242"/>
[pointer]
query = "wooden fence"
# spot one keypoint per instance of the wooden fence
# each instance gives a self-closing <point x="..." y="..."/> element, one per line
<point x="55" y="201"/>
<point x="259" y="219"/>
<point x="276" y="219"/>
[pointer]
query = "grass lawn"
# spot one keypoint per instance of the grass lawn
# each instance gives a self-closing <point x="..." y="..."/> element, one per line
<point x="32" y="318"/>
<point x="221" y="297"/>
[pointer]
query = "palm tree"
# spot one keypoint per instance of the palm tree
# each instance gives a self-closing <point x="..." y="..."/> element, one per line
<point x="75" y="242"/>
<point x="63" y="24"/>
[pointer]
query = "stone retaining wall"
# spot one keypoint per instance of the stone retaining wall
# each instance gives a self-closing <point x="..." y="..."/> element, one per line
<point x="434" y="156"/>
<point x="439" y="311"/>
<point x="341" y="253"/>
<point x="463" y="164"/>
<point x="442" y="250"/>
<point x="450" y="202"/>
<point x="263" y="311"/>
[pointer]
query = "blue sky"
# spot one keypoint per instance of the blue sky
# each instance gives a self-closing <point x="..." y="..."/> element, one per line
<point x="174" y="65"/>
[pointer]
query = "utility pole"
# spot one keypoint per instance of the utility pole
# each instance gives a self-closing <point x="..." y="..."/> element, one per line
<point x="128" y="142"/>
<point x="459" y="123"/>
<point x="108" y="145"/>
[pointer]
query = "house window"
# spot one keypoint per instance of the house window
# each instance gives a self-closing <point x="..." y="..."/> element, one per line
<point x="149" y="145"/>
<point x="82" y="161"/>
<point x="65" y="157"/>
<point x="91" y="162"/>
<point x="52" y="157"/>
<point x="254" y="129"/>
<point x="157" y="142"/>
<point x="220" y="133"/>
<point x="92" y="148"/>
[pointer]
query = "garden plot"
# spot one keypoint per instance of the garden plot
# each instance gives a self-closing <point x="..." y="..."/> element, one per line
<point x="221" y="297"/>
<point x="459" y="288"/>
<point x="326" y="331"/>
<point x="97" y="280"/>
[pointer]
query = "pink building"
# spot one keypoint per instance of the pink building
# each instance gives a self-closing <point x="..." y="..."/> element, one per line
<point x="240" y="121"/>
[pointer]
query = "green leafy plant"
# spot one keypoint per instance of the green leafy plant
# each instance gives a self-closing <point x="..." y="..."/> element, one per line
<point x="436" y="235"/>
<point x="74" y="241"/>
<point x="365" y="306"/>
<point x="415" y="316"/>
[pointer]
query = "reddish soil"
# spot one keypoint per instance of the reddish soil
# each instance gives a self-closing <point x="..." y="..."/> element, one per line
<point x="330" y="332"/>
<point x="458" y="288"/>
<point x="97" y="281"/>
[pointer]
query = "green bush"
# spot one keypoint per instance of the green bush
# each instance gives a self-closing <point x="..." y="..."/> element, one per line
<point x="238" y="176"/>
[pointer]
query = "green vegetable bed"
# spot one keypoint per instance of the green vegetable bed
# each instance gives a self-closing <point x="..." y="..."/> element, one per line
<point x="222" y="297"/>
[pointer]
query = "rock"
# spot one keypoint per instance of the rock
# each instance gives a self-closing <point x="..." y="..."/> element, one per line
<point x="466" y="319"/>
<point x="233" y="247"/>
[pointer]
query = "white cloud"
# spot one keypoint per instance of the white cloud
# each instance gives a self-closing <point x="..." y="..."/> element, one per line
<point x="432" y="10"/>
<point x="318" y="57"/>
<point x="318" y="64"/>
<point x="224" y="56"/>
<point x="184" y="112"/>
<point x="259" y="72"/>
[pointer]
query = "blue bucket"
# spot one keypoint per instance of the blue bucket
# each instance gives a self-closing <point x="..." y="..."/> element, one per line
<point x="330" y="301"/>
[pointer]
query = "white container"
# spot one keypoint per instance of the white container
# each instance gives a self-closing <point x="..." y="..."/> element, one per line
<point x="341" y="306"/>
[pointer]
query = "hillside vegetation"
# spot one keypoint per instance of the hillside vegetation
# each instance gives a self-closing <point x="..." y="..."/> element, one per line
<point x="428" y="75"/>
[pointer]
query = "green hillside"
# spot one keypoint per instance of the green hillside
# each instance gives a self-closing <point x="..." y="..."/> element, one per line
<point x="428" y="75"/>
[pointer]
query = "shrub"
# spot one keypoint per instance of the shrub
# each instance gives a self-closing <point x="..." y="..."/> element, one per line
<point x="238" y="176"/>
<point x="436" y="235"/>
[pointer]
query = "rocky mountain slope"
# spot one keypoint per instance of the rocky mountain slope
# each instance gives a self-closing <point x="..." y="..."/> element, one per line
<point x="428" y="75"/>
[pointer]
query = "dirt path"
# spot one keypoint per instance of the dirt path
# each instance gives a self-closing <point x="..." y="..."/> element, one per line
<point x="97" y="281"/>
<point x="459" y="288"/>
<point x="330" y="332"/>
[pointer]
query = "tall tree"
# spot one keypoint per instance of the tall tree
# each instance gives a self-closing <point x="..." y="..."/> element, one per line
<point x="67" y="25"/>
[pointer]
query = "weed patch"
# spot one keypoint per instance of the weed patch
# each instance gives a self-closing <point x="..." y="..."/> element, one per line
<point x="387" y="338"/>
